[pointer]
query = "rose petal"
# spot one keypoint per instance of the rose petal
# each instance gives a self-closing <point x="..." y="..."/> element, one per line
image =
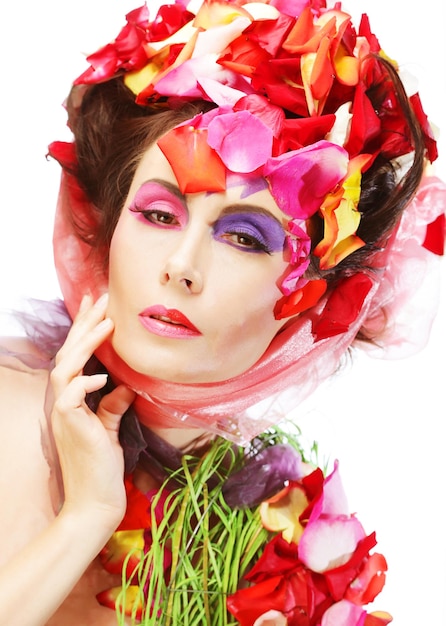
<point x="271" y="618"/>
<point x="342" y="307"/>
<point x="369" y="582"/>
<point x="132" y="597"/>
<point x="301" y="300"/>
<point x="196" y="166"/>
<point x="301" y="179"/>
<point x="262" y="476"/>
<point x="378" y="618"/>
<point x="329" y="543"/>
<point x="343" y="613"/>
<point x="241" y="140"/>
<point x="334" y="497"/>
<point x="116" y="550"/>
<point x="283" y="515"/>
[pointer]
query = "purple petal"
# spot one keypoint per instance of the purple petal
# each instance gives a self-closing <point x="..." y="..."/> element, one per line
<point x="262" y="476"/>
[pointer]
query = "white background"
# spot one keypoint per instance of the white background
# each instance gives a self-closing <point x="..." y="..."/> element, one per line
<point x="383" y="420"/>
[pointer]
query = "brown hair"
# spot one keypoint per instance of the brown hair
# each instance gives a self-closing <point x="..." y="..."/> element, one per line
<point x="112" y="133"/>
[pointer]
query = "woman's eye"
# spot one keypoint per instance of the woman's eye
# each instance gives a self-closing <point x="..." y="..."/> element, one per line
<point x="161" y="218"/>
<point x="242" y="240"/>
<point x="250" y="231"/>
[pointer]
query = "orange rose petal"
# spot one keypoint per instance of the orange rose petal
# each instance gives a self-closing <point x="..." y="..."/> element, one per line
<point x="347" y="69"/>
<point x="322" y="71"/>
<point x="197" y="167"/>
<point x="300" y="300"/>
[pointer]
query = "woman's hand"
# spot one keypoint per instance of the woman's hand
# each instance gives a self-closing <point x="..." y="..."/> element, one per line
<point x="90" y="455"/>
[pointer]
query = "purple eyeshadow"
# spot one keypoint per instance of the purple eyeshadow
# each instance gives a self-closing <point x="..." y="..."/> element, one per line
<point x="264" y="229"/>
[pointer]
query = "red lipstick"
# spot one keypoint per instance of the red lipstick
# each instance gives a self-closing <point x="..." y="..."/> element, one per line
<point x="167" y="322"/>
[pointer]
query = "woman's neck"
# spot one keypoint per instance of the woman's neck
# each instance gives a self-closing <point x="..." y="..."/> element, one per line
<point x="185" y="439"/>
<point x="161" y="421"/>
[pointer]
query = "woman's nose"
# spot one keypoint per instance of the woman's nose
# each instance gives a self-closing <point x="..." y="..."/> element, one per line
<point x="181" y="267"/>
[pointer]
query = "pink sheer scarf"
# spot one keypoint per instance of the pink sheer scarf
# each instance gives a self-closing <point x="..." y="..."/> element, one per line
<point x="298" y="359"/>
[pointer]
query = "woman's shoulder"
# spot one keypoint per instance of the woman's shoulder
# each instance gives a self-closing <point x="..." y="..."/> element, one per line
<point x="24" y="460"/>
<point x="23" y="376"/>
<point x="23" y="385"/>
<point x="21" y="354"/>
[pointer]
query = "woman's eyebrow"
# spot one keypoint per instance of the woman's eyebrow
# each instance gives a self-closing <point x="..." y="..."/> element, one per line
<point x="250" y="208"/>
<point x="228" y="210"/>
<point x="171" y="187"/>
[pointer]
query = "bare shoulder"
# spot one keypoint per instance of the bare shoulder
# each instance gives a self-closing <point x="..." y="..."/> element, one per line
<point x="22" y="387"/>
<point x="16" y="375"/>
<point x="18" y="345"/>
<point x="25" y="465"/>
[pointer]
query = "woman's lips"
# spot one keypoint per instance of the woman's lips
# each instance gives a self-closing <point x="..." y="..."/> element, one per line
<point x="167" y="322"/>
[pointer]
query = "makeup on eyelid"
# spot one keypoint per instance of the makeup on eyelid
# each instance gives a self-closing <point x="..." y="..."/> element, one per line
<point x="258" y="226"/>
<point x="212" y="271"/>
<point x="266" y="232"/>
<point x="153" y="196"/>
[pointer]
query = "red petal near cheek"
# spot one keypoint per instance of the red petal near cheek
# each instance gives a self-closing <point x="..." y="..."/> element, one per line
<point x="300" y="300"/>
<point x="197" y="167"/>
<point x="343" y="307"/>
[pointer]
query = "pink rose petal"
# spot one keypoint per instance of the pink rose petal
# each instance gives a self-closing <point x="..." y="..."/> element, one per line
<point x="241" y="140"/>
<point x="344" y="613"/>
<point x="335" y="500"/>
<point x="329" y="542"/>
<point x="301" y="179"/>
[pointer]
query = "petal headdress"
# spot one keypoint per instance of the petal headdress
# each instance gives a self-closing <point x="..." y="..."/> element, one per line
<point x="299" y="96"/>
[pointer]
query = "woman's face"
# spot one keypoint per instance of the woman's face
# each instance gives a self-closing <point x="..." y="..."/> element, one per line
<point x="193" y="279"/>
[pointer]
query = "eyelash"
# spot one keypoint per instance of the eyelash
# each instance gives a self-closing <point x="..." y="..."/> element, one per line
<point x="149" y="215"/>
<point x="153" y="217"/>
<point x="257" y="244"/>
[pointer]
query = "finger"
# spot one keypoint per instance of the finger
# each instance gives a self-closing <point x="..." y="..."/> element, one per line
<point x="73" y="396"/>
<point x="73" y="361"/>
<point x="113" y="406"/>
<point x="89" y="315"/>
<point x="86" y="303"/>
